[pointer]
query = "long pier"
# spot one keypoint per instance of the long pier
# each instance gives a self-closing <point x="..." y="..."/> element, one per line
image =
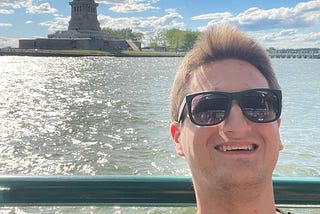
<point x="299" y="54"/>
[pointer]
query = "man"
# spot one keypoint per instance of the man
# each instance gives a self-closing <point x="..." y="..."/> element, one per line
<point x="225" y="108"/>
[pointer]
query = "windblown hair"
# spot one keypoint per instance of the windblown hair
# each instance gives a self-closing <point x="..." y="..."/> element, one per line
<point x="216" y="44"/>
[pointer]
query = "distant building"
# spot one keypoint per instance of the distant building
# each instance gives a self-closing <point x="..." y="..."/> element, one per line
<point x="83" y="32"/>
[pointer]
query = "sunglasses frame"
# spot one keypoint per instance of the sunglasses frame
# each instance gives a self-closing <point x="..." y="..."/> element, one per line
<point x="187" y="101"/>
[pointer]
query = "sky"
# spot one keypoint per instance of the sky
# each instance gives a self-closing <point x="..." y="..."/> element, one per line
<point x="274" y="23"/>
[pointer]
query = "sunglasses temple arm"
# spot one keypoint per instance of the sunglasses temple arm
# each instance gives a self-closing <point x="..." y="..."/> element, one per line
<point x="182" y="106"/>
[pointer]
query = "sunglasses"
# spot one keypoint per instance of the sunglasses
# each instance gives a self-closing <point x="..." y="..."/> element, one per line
<point x="262" y="105"/>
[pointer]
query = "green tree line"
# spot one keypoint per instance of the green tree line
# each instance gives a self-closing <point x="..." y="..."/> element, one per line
<point x="126" y="33"/>
<point x="173" y="39"/>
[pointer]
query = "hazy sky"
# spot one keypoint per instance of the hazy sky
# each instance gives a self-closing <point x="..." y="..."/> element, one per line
<point x="275" y="23"/>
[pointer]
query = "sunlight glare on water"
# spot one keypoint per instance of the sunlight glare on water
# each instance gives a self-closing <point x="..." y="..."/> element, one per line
<point x="110" y="116"/>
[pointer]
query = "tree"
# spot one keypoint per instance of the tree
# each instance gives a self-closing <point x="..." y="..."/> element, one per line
<point x="175" y="38"/>
<point x="153" y="45"/>
<point x="158" y="39"/>
<point x="126" y="33"/>
<point x="190" y="39"/>
<point x="181" y="40"/>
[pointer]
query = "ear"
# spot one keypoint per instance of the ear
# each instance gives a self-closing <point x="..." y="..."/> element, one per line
<point x="280" y="145"/>
<point x="175" y="134"/>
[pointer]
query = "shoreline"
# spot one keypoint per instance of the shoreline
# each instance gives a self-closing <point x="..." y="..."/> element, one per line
<point x="97" y="53"/>
<point x="84" y="53"/>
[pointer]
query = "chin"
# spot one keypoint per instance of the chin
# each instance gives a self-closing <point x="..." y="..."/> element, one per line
<point x="243" y="179"/>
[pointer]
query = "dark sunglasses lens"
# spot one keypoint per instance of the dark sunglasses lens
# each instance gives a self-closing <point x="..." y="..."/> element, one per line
<point x="260" y="106"/>
<point x="209" y="109"/>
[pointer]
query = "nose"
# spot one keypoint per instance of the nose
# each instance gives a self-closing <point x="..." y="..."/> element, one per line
<point x="236" y="123"/>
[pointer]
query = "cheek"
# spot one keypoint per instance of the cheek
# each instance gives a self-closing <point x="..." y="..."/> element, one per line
<point x="197" y="135"/>
<point x="197" y="140"/>
<point x="271" y="135"/>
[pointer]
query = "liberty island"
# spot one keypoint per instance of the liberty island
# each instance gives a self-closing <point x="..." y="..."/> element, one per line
<point x="83" y="32"/>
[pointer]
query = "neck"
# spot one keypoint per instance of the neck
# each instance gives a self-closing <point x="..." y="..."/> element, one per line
<point x="254" y="199"/>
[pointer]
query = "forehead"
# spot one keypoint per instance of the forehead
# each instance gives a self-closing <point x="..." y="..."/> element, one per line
<point x="228" y="75"/>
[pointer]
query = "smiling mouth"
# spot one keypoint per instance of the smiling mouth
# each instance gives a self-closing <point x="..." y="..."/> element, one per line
<point x="224" y="148"/>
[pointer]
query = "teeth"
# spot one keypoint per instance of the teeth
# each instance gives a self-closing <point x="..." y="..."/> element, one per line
<point x="236" y="148"/>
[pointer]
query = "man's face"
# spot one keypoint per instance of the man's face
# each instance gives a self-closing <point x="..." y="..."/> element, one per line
<point x="200" y="144"/>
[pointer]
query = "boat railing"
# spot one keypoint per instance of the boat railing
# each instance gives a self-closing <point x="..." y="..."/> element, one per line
<point x="154" y="191"/>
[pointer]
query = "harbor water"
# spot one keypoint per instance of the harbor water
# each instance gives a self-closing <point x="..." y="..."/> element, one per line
<point x="110" y="116"/>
